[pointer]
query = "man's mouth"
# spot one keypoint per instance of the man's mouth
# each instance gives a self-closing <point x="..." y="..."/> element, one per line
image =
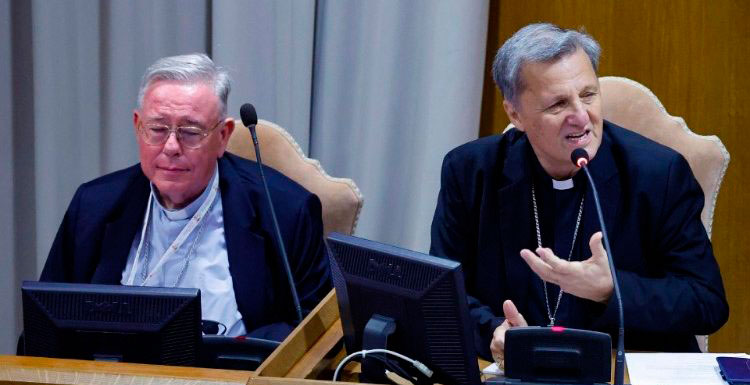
<point x="172" y="169"/>
<point x="578" y="138"/>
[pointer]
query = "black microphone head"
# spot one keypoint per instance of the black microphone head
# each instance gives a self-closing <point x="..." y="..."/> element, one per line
<point x="579" y="155"/>
<point x="248" y="115"/>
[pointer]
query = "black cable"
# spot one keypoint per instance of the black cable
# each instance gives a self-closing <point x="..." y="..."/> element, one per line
<point x="393" y="367"/>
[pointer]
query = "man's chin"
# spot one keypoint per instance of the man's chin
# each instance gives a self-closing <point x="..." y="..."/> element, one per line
<point x="591" y="146"/>
<point x="173" y="175"/>
<point x="169" y="188"/>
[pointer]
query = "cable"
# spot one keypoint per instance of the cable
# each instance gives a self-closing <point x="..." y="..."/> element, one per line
<point x="416" y="364"/>
<point x="394" y="368"/>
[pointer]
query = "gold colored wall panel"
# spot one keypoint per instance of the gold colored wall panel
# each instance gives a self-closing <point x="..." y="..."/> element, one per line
<point x="694" y="55"/>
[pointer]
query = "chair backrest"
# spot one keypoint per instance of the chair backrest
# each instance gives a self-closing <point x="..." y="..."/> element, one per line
<point x="630" y="104"/>
<point x="340" y="198"/>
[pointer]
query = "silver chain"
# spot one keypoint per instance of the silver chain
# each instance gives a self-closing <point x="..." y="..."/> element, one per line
<point x="552" y="314"/>
<point x="147" y="257"/>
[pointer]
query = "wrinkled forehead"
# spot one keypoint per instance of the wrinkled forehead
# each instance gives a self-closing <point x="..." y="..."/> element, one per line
<point x="552" y="76"/>
<point x="185" y="101"/>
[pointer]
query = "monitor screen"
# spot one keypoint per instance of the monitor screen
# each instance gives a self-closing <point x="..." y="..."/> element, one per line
<point x="151" y="325"/>
<point x="422" y="296"/>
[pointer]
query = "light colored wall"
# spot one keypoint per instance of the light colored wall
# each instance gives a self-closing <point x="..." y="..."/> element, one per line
<point x="7" y="229"/>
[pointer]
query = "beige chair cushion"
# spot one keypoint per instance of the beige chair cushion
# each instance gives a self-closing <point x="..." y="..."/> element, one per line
<point x="630" y="104"/>
<point x="340" y="198"/>
<point x="633" y="106"/>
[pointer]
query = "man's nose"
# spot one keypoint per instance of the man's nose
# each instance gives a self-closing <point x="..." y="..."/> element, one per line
<point x="579" y="116"/>
<point x="172" y="145"/>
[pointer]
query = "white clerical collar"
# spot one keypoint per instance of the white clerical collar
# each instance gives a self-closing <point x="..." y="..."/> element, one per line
<point x="562" y="184"/>
<point x="189" y="210"/>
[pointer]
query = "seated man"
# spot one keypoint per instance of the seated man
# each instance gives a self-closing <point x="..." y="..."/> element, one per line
<point x="192" y="215"/>
<point x="515" y="211"/>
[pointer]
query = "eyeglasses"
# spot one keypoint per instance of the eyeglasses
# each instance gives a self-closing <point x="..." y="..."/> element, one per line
<point x="188" y="136"/>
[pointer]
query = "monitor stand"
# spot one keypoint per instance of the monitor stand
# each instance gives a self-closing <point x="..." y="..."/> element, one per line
<point x="375" y="336"/>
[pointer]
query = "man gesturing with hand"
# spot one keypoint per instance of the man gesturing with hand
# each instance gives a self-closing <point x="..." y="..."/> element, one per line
<point x="515" y="211"/>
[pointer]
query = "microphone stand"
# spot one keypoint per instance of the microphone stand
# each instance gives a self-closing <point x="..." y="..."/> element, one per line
<point x="620" y="357"/>
<point x="250" y="119"/>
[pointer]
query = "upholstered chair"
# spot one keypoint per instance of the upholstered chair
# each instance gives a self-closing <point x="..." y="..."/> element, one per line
<point x="631" y="105"/>
<point x="340" y="198"/>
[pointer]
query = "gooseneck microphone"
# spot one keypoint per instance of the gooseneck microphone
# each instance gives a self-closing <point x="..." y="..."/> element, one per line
<point x="250" y="119"/>
<point x="580" y="158"/>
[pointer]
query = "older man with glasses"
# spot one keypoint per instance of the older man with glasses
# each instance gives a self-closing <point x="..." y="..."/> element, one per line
<point x="193" y="215"/>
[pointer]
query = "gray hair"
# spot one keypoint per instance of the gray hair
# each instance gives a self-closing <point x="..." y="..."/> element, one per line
<point x="542" y="42"/>
<point x="192" y="68"/>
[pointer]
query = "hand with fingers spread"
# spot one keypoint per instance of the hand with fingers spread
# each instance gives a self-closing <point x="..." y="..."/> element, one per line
<point x="590" y="279"/>
<point x="512" y="319"/>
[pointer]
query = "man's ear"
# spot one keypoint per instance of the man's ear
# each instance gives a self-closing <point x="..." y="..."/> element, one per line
<point x="225" y="131"/>
<point x="513" y="115"/>
<point x="136" y="118"/>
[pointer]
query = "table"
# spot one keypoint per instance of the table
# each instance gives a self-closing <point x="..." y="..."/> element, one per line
<point x="39" y="370"/>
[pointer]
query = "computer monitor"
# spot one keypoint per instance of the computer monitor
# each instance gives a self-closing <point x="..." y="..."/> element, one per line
<point x="380" y="287"/>
<point x="151" y="325"/>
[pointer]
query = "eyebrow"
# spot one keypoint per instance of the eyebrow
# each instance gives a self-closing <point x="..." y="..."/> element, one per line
<point x="193" y="122"/>
<point x="563" y="96"/>
<point x="158" y="119"/>
<point x="547" y="103"/>
<point x="162" y="120"/>
<point x="590" y="88"/>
